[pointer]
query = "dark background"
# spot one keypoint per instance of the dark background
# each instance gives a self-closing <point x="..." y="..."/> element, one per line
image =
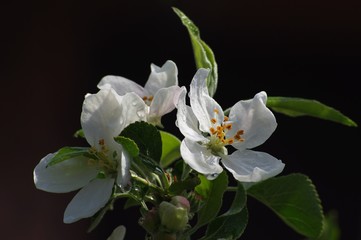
<point x="54" y="52"/>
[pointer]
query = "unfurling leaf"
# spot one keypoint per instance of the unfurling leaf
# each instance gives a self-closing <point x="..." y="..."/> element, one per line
<point x="203" y="54"/>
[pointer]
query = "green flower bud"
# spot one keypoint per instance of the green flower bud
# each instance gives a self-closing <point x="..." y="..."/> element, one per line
<point x="165" y="236"/>
<point x="150" y="221"/>
<point x="172" y="217"/>
<point x="181" y="201"/>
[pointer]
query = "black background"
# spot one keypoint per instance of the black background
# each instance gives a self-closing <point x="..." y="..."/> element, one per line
<point x="54" y="52"/>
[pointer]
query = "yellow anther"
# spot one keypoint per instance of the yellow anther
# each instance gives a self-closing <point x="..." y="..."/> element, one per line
<point x="101" y="142"/>
<point x="147" y="99"/>
<point x="218" y="133"/>
<point x="228" y="126"/>
<point x="239" y="138"/>
<point x="240" y="132"/>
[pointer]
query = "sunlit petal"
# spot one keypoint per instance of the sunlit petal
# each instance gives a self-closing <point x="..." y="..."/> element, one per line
<point x="162" y="77"/>
<point x="164" y="102"/>
<point x="101" y="117"/>
<point x="187" y="122"/>
<point x="121" y="85"/>
<point x="252" y="166"/>
<point x="206" y="108"/>
<point x="255" y="119"/>
<point x="133" y="109"/>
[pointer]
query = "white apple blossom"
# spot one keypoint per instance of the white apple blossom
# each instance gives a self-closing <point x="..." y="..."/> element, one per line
<point x="208" y="132"/>
<point x="160" y="92"/>
<point x="118" y="233"/>
<point x="104" y="115"/>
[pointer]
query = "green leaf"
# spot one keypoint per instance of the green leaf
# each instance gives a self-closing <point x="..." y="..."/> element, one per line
<point x="203" y="54"/>
<point x="170" y="149"/>
<point x="212" y="192"/>
<point x="66" y="153"/>
<point x="129" y="145"/>
<point x="295" y="200"/>
<point x="331" y="230"/>
<point x="188" y="184"/>
<point x="147" y="137"/>
<point x="296" y="107"/>
<point x="232" y="223"/>
<point x="131" y="202"/>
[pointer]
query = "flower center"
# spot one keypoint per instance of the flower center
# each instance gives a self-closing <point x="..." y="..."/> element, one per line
<point x="103" y="160"/>
<point x="148" y="100"/>
<point x="218" y="134"/>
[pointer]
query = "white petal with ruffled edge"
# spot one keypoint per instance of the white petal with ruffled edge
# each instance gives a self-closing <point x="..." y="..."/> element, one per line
<point x="164" y="102"/>
<point x="204" y="106"/>
<point x="187" y="122"/>
<point x="101" y="117"/>
<point x="161" y="77"/>
<point x="121" y="85"/>
<point x="133" y="109"/>
<point x="89" y="200"/>
<point x="252" y="166"/>
<point x="65" y="176"/>
<point x="255" y="119"/>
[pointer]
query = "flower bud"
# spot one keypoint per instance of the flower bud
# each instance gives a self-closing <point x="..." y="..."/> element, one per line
<point x="165" y="236"/>
<point x="181" y="201"/>
<point x="150" y="221"/>
<point x="174" y="215"/>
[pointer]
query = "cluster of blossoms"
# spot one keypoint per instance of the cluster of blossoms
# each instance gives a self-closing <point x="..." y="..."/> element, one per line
<point x="212" y="141"/>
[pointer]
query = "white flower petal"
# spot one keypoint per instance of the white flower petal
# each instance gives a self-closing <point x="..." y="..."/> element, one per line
<point x="162" y="77"/>
<point x="200" y="158"/>
<point x="118" y="233"/>
<point x="101" y="117"/>
<point x="121" y="85"/>
<point x="252" y="166"/>
<point x="133" y="109"/>
<point x="257" y="121"/>
<point x="187" y="122"/>
<point x="89" y="200"/>
<point x="65" y="176"/>
<point x="204" y="106"/>
<point x="164" y="102"/>
<point x="123" y="178"/>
